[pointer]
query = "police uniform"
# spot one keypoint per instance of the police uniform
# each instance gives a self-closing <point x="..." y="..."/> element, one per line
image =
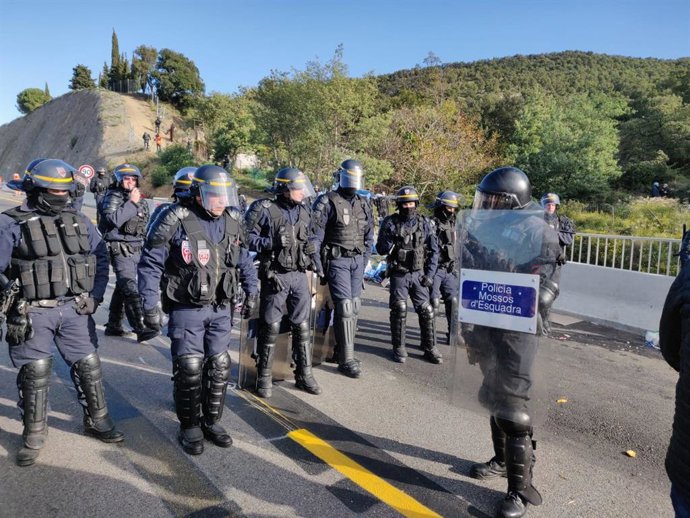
<point x="123" y="225"/>
<point x="202" y="261"/>
<point x="446" y="279"/>
<point x="278" y="232"/>
<point x="506" y="357"/>
<point x="410" y="243"/>
<point x="343" y="232"/>
<point x="60" y="264"/>
<point x="98" y="186"/>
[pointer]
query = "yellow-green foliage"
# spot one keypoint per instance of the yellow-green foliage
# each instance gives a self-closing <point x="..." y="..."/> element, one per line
<point x="650" y="217"/>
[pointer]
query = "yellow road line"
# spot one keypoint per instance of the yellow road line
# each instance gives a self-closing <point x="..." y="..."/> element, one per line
<point x="397" y="499"/>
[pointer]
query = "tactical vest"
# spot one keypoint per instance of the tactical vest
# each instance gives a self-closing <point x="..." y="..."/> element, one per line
<point x="408" y="252"/>
<point x="350" y="225"/>
<point x="135" y="226"/>
<point x="445" y="231"/>
<point x="54" y="256"/>
<point x="200" y="272"/>
<point x="293" y="258"/>
<point x="100" y="186"/>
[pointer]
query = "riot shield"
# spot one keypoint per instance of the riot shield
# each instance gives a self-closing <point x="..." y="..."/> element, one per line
<point x="282" y="355"/>
<point x="321" y="321"/>
<point x="502" y="257"/>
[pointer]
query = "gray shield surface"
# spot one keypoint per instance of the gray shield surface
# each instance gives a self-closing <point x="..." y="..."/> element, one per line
<point x="502" y="257"/>
<point x="321" y="321"/>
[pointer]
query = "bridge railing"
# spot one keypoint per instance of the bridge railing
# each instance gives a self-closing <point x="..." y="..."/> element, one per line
<point x="640" y="254"/>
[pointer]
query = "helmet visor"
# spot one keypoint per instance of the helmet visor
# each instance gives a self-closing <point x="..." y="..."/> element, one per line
<point x="495" y="201"/>
<point x="300" y="182"/>
<point x="351" y="179"/>
<point x="219" y="193"/>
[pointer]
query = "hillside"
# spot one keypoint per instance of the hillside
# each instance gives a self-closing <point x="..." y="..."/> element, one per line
<point x="97" y="127"/>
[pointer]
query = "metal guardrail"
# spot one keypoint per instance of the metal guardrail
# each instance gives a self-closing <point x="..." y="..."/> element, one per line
<point x="641" y="254"/>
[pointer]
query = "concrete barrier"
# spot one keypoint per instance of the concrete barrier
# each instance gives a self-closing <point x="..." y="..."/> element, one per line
<point x="620" y="298"/>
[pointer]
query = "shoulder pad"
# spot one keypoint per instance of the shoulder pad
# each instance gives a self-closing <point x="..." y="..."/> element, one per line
<point x="234" y="213"/>
<point x="113" y="199"/>
<point x="431" y="222"/>
<point x="251" y="217"/>
<point x="164" y="226"/>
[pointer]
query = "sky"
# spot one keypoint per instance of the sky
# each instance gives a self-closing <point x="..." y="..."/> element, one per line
<point x="236" y="43"/>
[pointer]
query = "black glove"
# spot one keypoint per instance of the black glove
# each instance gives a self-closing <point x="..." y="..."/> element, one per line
<point x="152" y="318"/>
<point x="86" y="305"/>
<point x="426" y="281"/>
<point x="309" y="249"/>
<point x="561" y="260"/>
<point x="249" y="305"/>
<point x="19" y="328"/>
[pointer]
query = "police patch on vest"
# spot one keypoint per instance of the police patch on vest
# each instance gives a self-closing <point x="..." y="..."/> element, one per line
<point x="346" y="216"/>
<point x="186" y="250"/>
<point x="204" y="254"/>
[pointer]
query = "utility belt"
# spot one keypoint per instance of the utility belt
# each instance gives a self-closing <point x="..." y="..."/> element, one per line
<point x="124" y="248"/>
<point x="336" y="252"/>
<point x="50" y="303"/>
<point x="278" y="268"/>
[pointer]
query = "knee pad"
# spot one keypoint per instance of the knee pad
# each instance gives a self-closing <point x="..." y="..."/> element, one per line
<point x="300" y="331"/>
<point x="399" y="307"/>
<point x="218" y="366"/>
<point x="357" y="305"/>
<point x="436" y="303"/>
<point x="513" y="421"/>
<point x="345" y="308"/>
<point x="426" y="310"/>
<point x="187" y="368"/>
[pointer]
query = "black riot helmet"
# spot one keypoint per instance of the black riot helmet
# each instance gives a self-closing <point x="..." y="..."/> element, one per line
<point x="182" y="183"/>
<point x="350" y="175"/>
<point x="126" y="170"/>
<point x="447" y="199"/>
<point x="292" y="179"/>
<point x="214" y="186"/>
<point x="405" y="194"/>
<point x="49" y="173"/>
<point x="17" y="183"/>
<point x="100" y="171"/>
<point x="503" y="188"/>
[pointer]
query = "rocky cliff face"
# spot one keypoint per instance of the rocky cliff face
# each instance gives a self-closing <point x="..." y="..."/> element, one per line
<point x="93" y="127"/>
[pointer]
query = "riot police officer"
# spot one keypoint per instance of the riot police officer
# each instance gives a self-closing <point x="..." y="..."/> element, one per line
<point x="343" y="233"/>
<point x="565" y="229"/>
<point x="98" y="185"/>
<point x="55" y="272"/>
<point x="409" y="241"/>
<point x="446" y="278"/>
<point x="506" y="357"/>
<point x="279" y="231"/>
<point x="124" y="215"/>
<point x="198" y="250"/>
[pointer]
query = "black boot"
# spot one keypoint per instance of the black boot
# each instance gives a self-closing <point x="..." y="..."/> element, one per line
<point x="214" y="386"/>
<point x="496" y="467"/>
<point x="427" y="329"/>
<point x="268" y="334"/>
<point x="135" y="313"/>
<point x="519" y="462"/>
<point x="187" y="395"/>
<point x="344" y="328"/>
<point x="115" y="314"/>
<point x="301" y="354"/>
<point x="398" y="319"/>
<point x="88" y="380"/>
<point x="451" y="306"/>
<point x="33" y="381"/>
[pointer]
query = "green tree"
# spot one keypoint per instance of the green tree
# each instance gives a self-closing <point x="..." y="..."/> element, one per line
<point x="437" y="147"/>
<point x="114" y="53"/>
<point x="81" y="78"/>
<point x="172" y="159"/>
<point x="177" y="79"/>
<point x="103" y="76"/>
<point x="143" y="66"/>
<point x="46" y="91"/>
<point x="30" y="99"/>
<point x="569" y="147"/>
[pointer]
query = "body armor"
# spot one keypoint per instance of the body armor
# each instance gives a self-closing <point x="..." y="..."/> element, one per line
<point x="347" y="232"/>
<point x="445" y="231"/>
<point x="54" y="257"/>
<point x="135" y="227"/>
<point x="408" y="253"/>
<point x="293" y="258"/>
<point x="199" y="272"/>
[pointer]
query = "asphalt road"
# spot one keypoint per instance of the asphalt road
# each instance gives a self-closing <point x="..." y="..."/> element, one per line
<point x="391" y="443"/>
